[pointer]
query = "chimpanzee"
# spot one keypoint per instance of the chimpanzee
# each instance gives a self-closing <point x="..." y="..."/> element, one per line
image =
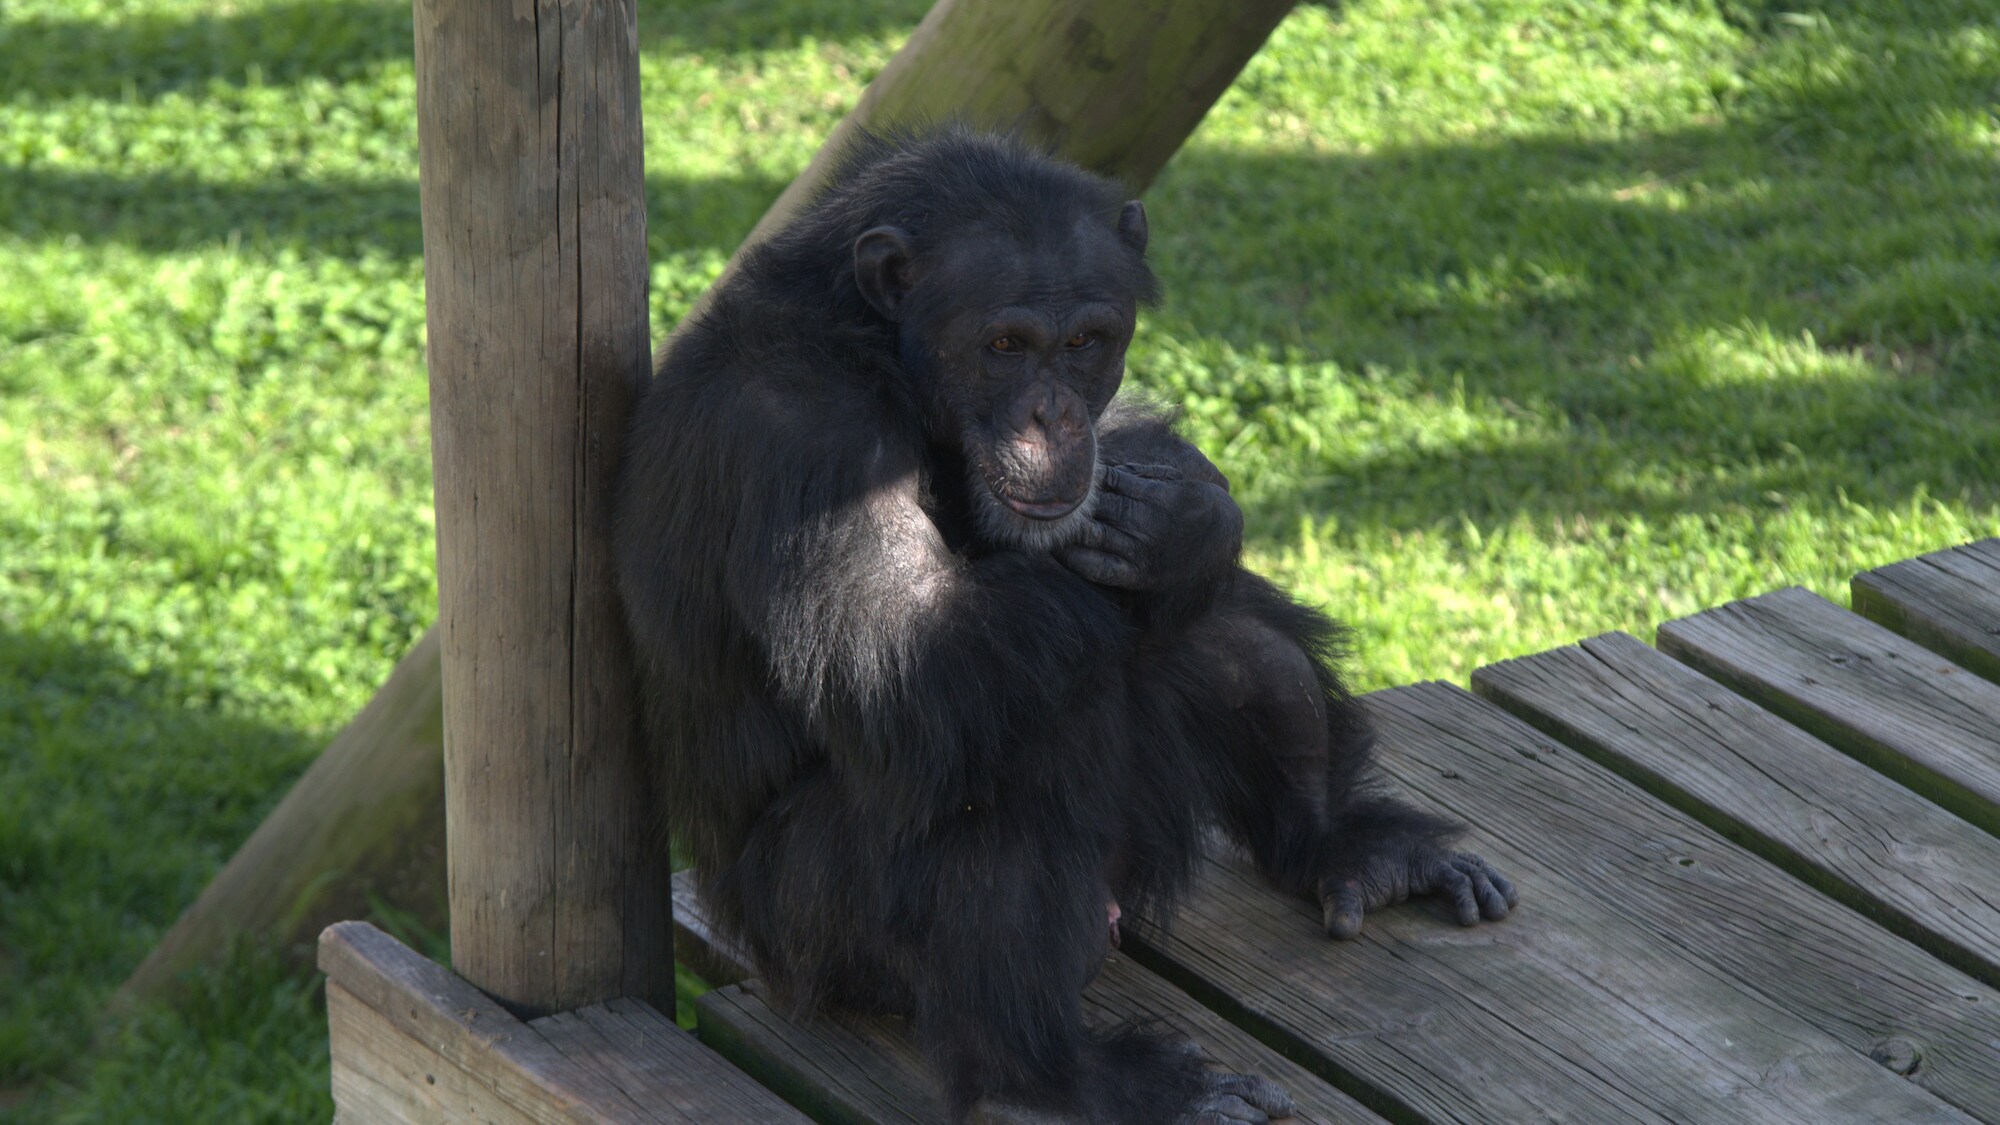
<point x="947" y="656"/>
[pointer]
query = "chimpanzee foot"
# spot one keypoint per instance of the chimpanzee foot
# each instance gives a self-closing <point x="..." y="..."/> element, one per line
<point x="1467" y="882"/>
<point x="1237" y="1099"/>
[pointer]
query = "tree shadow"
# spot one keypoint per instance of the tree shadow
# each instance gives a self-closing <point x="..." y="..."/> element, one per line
<point x="150" y="54"/>
<point x="737" y="26"/>
<point x="121" y="792"/>
<point x="1794" y="303"/>
<point x="147" y="55"/>
<point x="323" y="217"/>
<point x="1591" y="282"/>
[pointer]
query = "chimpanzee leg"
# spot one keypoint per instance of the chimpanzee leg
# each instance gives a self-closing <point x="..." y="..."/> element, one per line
<point x="984" y="932"/>
<point x="1291" y="758"/>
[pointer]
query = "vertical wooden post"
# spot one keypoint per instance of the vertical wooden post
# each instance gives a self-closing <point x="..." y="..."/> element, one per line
<point x="535" y="278"/>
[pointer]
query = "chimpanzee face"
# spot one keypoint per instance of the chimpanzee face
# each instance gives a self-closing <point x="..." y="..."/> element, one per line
<point x="1019" y="349"/>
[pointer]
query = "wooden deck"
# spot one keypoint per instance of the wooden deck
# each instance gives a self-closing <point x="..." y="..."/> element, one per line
<point x="1760" y="878"/>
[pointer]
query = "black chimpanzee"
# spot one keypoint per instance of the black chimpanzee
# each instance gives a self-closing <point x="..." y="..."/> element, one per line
<point x="947" y="655"/>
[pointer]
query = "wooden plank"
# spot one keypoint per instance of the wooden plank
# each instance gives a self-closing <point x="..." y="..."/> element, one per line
<point x="1819" y="814"/>
<point x="1902" y="709"/>
<point x="414" y="1042"/>
<point x="634" y="1048"/>
<point x="1947" y="601"/>
<point x="534" y="209"/>
<point x="381" y="1074"/>
<point x="1654" y="971"/>
<point x="866" y="1070"/>
<point x="698" y="943"/>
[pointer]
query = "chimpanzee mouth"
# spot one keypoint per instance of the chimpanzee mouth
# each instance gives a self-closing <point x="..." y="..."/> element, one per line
<point x="1029" y="525"/>
<point x="1043" y="509"/>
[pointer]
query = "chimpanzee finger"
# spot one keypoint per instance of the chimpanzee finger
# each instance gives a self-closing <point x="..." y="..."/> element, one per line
<point x="1230" y="1110"/>
<point x="1492" y="904"/>
<point x="1110" y="538"/>
<point x="1258" y="1091"/>
<point x="1341" y="909"/>
<point x="1158" y="493"/>
<point x="1153" y="470"/>
<point x="1125" y="516"/>
<point x="1496" y="894"/>
<point x="1456" y="886"/>
<point x="1101" y="567"/>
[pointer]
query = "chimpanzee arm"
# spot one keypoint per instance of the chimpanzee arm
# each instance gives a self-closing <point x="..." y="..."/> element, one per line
<point x="928" y="676"/>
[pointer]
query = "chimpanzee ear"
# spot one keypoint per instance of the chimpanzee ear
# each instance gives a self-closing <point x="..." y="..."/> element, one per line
<point x="1132" y="226"/>
<point x="882" y="269"/>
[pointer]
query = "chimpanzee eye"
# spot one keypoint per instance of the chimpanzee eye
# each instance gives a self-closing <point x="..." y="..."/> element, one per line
<point x="1005" y="345"/>
<point x="1081" y="340"/>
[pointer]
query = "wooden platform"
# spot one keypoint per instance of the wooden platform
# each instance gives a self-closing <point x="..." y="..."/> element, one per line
<point x="1760" y="877"/>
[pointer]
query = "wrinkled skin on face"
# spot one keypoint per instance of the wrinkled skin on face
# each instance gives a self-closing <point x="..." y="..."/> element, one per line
<point x="1018" y="348"/>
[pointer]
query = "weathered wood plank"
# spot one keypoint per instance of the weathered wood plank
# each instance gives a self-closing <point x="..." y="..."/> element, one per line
<point x="1902" y="709"/>
<point x="855" y="1070"/>
<point x="663" y="1070"/>
<point x="414" y="1042"/>
<point x="1821" y="815"/>
<point x="698" y="943"/>
<point x="534" y="209"/>
<point x="1653" y="972"/>
<point x="1947" y="601"/>
<point x="381" y="1074"/>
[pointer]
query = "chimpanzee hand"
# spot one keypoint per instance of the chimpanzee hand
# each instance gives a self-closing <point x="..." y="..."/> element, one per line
<point x="1155" y="530"/>
<point x="1413" y="866"/>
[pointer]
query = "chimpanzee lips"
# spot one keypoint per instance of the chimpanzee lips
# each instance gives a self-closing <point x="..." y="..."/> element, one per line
<point x="1042" y="509"/>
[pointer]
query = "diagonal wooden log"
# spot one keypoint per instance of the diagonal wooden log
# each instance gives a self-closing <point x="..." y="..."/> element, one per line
<point x="1115" y="85"/>
<point x="365" y="820"/>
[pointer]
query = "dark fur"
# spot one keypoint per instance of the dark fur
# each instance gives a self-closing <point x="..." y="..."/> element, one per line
<point x="908" y="775"/>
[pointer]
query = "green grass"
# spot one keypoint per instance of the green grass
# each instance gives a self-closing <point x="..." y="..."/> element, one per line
<point x="1512" y="320"/>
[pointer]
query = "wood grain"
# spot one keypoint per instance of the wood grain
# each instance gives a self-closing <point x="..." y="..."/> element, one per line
<point x="414" y="1042"/>
<point x="1901" y="708"/>
<point x="381" y="1075"/>
<point x="662" y="1069"/>
<point x="1947" y="601"/>
<point x="854" y="1070"/>
<point x="535" y="286"/>
<point x="1653" y="971"/>
<point x="698" y="943"/>
<point x="1821" y="815"/>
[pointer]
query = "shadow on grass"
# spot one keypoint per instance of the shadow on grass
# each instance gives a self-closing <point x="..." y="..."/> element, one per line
<point x="119" y="796"/>
<point x="150" y="54"/>
<point x="1792" y="303"/>
<point x="734" y="26"/>
<point x="1605" y="285"/>
<point x="320" y="217"/>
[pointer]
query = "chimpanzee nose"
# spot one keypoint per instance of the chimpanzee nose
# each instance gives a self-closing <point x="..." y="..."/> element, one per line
<point x="1051" y="411"/>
